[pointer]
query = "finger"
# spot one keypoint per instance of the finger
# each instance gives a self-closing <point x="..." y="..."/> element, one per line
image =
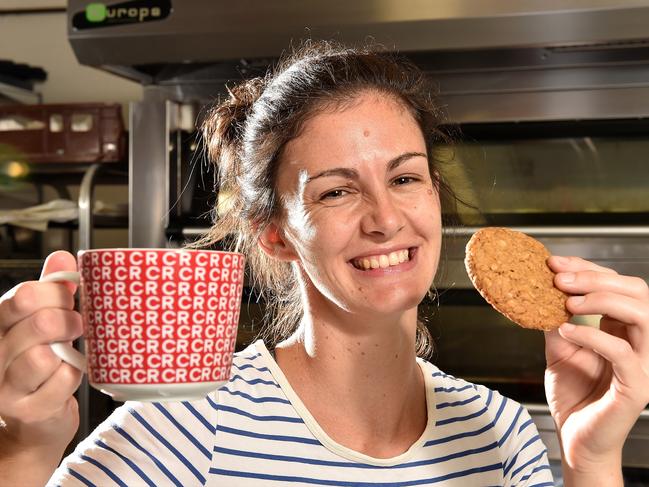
<point x="31" y="369"/>
<point x="60" y="261"/>
<point x="575" y="264"/>
<point x="632" y="334"/>
<point x="621" y="308"/>
<point x="54" y="394"/>
<point x="613" y="327"/>
<point x="27" y="298"/>
<point x="588" y="281"/>
<point x="557" y="348"/>
<point x="632" y="375"/>
<point x="45" y="326"/>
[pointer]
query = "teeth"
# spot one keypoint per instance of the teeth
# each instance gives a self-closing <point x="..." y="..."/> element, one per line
<point x="382" y="261"/>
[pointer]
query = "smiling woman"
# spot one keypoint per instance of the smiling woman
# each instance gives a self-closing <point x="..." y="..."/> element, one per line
<point x="336" y="198"/>
<point x="277" y="110"/>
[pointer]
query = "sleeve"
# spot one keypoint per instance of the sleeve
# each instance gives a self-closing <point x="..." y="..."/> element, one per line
<point x="158" y="443"/>
<point x="525" y="458"/>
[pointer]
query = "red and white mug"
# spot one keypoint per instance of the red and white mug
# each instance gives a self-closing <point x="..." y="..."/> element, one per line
<point x="159" y="324"/>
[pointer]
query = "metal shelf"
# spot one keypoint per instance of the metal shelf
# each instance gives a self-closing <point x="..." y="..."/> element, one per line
<point x="99" y="221"/>
<point x="534" y="231"/>
<point x="20" y="263"/>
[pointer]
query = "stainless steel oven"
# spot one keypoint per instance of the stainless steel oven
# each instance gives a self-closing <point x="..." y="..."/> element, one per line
<point x="581" y="187"/>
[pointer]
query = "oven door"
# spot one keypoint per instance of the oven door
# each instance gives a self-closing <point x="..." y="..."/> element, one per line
<point x="579" y="187"/>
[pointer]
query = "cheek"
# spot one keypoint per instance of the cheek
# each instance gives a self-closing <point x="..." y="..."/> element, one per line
<point x="430" y="212"/>
<point x="337" y="222"/>
<point x="320" y="237"/>
<point x="332" y="236"/>
<point x="299" y="224"/>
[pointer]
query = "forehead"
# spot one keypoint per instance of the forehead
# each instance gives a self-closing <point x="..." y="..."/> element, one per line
<point x="373" y="128"/>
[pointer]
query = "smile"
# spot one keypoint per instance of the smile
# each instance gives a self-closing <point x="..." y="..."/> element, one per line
<point x="382" y="261"/>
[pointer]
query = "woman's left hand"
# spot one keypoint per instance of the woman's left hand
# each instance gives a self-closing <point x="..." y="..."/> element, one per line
<point x="597" y="380"/>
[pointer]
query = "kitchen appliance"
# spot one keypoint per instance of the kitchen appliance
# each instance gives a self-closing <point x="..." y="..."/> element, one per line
<point x="552" y="102"/>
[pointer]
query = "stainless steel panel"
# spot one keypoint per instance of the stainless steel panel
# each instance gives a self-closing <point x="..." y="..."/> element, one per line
<point x="86" y="203"/>
<point x="548" y="105"/>
<point x="10" y="94"/>
<point x="149" y="168"/>
<point x="624" y="249"/>
<point x="567" y="232"/>
<point x="208" y="31"/>
<point x="635" y="453"/>
<point x="515" y="101"/>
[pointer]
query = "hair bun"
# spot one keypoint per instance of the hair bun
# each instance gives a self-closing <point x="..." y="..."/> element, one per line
<point x="224" y="125"/>
<point x="243" y="95"/>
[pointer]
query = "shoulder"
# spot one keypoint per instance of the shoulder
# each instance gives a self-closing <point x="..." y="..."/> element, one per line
<point x="449" y="389"/>
<point x="253" y="400"/>
<point x="464" y="403"/>
<point x="251" y="375"/>
<point x="477" y="415"/>
<point x="250" y="366"/>
<point x="250" y="355"/>
<point x="154" y="443"/>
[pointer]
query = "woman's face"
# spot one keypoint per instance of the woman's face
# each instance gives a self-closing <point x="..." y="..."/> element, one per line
<point x="357" y="193"/>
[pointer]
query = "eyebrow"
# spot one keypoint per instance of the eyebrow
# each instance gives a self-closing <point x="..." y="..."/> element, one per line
<point x="353" y="173"/>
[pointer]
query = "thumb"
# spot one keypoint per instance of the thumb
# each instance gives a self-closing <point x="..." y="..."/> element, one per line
<point x="60" y="261"/>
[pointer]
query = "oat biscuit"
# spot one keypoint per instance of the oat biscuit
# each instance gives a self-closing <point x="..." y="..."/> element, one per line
<point x="509" y="270"/>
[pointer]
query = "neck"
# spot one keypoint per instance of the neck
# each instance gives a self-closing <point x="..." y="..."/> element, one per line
<point x="359" y="375"/>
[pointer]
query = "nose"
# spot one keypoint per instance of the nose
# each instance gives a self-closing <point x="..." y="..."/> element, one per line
<point x="382" y="216"/>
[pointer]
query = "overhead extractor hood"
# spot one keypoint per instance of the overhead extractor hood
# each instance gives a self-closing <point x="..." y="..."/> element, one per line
<point x="133" y="42"/>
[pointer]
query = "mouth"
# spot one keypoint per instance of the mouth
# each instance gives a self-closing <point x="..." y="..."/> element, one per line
<point x="383" y="261"/>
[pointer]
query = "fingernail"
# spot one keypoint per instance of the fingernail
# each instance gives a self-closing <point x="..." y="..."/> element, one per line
<point x="576" y="300"/>
<point x="561" y="260"/>
<point x="567" y="277"/>
<point x="568" y="327"/>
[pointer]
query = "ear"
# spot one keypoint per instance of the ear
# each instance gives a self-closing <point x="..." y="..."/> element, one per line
<point x="274" y="244"/>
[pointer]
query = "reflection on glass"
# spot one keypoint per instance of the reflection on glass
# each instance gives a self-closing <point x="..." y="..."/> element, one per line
<point x="549" y="176"/>
<point x="81" y="122"/>
<point x="56" y="122"/>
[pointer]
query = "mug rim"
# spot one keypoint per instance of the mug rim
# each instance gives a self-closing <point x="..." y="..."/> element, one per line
<point x="157" y="249"/>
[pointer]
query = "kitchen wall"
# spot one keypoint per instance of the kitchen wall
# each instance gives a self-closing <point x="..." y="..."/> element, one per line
<point x="40" y="39"/>
<point x="34" y="32"/>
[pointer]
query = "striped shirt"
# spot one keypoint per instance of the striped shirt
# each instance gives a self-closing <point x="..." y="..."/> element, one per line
<point x="255" y="431"/>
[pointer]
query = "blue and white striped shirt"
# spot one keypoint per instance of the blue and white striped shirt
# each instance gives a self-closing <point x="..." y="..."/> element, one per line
<point x="255" y="431"/>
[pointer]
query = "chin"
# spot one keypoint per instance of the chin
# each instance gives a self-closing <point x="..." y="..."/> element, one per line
<point x="387" y="305"/>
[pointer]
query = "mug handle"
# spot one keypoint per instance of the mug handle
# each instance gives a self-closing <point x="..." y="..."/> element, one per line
<point x="62" y="350"/>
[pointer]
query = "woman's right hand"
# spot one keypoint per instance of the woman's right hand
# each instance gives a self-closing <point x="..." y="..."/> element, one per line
<point x="37" y="403"/>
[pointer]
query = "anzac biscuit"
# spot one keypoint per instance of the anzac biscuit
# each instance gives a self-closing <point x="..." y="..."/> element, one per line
<point x="509" y="270"/>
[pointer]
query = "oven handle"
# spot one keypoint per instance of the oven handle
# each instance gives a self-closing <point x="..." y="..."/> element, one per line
<point x="547" y="231"/>
<point x="556" y="231"/>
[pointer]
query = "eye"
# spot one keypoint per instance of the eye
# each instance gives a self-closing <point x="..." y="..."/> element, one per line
<point x="333" y="194"/>
<point x="401" y="180"/>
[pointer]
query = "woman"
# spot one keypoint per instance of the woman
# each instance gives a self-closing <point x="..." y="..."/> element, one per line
<point x="335" y="195"/>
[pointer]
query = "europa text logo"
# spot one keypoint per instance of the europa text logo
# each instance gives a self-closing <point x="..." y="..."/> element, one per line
<point x="98" y="14"/>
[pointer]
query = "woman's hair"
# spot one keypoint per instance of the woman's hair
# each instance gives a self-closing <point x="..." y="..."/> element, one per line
<point x="245" y="135"/>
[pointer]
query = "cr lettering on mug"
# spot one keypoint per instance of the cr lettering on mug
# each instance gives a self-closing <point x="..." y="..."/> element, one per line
<point x="159" y="323"/>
